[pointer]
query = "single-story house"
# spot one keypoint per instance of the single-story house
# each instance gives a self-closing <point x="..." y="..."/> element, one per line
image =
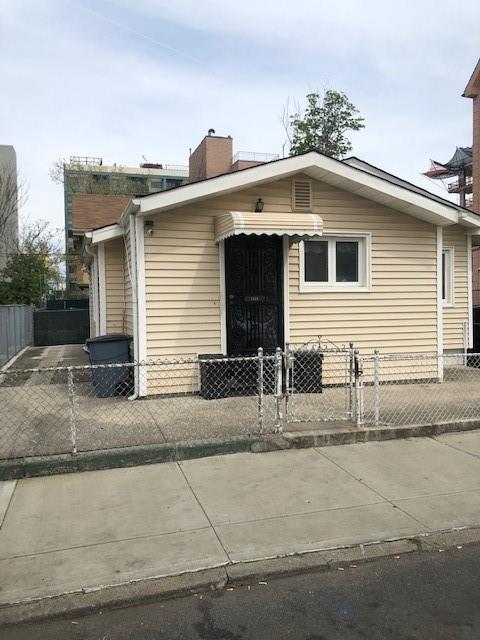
<point x="286" y="251"/>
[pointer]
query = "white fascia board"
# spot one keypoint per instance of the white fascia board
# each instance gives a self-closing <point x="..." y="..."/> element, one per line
<point x="317" y="166"/>
<point x="223" y="184"/>
<point x="375" y="188"/>
<point x="132" y="207"/>
<point x="468" y="219"/>
<point x="107" y="233"/>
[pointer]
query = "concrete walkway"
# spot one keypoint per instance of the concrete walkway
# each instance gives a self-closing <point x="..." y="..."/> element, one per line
<point x="70" y="532"/>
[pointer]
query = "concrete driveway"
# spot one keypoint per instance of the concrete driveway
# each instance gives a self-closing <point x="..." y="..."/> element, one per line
<point x="83" y="531"/>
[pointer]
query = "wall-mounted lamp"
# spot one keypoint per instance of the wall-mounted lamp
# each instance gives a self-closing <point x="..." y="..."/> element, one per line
<point x="148" y="226"/>
<point x="259" y="205"/>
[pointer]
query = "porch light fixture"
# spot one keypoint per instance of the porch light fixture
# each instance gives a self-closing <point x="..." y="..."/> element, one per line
<point x="148" y="226"/>
<point x="259" y="206"/>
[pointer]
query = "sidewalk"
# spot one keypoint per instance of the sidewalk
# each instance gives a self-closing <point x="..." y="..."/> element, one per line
<point x="71" y="532"/>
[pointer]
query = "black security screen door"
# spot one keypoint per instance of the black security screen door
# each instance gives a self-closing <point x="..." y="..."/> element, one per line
<point x="254" y="293"/>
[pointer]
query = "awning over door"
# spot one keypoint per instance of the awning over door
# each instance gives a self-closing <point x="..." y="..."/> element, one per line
<point x="297" y="225"/>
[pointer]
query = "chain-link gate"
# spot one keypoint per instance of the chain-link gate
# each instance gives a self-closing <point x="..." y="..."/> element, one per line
<point x="320" y="383"/>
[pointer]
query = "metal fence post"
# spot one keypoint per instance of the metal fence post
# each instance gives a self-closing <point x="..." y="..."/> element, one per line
<point x="287" y="379"/>
<point x="71" y="405"/>
<point x="376" y="387"/>
<point x="358" y="388"/>
<point x="351" y="366"/>
<point x="260" y="390"/>
<point x="278" y="390"/>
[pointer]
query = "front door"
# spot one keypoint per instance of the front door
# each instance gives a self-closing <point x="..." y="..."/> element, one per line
<point x="254" y="293"/>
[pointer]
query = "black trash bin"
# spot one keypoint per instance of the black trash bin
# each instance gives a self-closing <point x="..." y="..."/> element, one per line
<point x="214" y="375"/>
<point x="307" y="371"/>
<point x="224" y="377"/>
<point x="111" y="349"/>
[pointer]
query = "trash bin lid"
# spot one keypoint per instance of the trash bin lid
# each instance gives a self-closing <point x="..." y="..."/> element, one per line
<point x="111" y="337"/>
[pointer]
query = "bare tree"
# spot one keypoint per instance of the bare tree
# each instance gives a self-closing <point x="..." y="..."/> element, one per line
<point x="37" y="236"/>
<point x="87" y="178"/>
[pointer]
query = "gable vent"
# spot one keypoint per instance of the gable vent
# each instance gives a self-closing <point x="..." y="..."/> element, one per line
<point x="302" y="195"/>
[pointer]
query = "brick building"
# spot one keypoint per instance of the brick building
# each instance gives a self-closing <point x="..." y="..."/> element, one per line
<point x="96" y="195"/>
<point x="214" y="157"/>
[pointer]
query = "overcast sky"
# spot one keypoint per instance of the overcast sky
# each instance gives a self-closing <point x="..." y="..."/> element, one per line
<point x="124" y="79"/>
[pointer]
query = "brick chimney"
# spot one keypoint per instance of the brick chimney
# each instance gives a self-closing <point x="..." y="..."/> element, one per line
<point x="472" y="90"/>
<point x="212" y="157"/>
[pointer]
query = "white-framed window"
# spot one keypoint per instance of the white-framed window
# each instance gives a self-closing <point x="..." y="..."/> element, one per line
<point x="336" y="262"/>
<point x="447" y="276"/>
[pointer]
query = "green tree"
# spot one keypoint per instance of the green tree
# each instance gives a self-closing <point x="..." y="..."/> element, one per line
<point x="32" y="273"/>
<point x="323" y="124"/>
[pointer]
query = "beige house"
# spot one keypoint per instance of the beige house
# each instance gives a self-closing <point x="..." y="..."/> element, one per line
<point x="282" y="252"/>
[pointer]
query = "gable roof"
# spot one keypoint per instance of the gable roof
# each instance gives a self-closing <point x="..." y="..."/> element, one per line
<point x="354" y="176"/>
<point x="358" y="162"/>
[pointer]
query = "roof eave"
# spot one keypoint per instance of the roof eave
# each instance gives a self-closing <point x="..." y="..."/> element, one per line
<point x="468" y="219"/>
<point x="318" y="166"/>
<point x="132" y="207"/>
<point x="106" y="233"/>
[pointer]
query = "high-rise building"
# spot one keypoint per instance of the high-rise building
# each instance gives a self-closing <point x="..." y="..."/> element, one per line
<point x="8" y="203"/>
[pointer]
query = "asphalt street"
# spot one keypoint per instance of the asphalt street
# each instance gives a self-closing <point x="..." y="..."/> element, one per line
<point x="422" y="596"/>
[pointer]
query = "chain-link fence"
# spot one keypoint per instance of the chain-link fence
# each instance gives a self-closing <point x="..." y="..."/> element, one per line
<point x="407" y="389"/>
<point x="84" y="408"/>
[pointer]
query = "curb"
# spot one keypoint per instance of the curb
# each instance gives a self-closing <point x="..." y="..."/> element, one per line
<point x="122" y="457"/>
<point x="85" y="602"/>
<point x="353" y="435"/>
<point x="15" y="469"/>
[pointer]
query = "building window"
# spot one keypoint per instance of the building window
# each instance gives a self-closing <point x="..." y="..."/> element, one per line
<point x="335" y="262"/>
<point x="447" y="276"/>
<point x="171" y="183"/>
<point x="156" y="184"/>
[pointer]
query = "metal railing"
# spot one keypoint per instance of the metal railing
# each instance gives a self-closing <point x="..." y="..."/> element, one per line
<point x="83" y="408"/>
<point x="455" y="185"/>
<point x="254" y="156"/>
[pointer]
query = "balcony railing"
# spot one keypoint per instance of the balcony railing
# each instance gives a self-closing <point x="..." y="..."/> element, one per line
<point x="456" y="185"/>
<point x="253" y="156"/>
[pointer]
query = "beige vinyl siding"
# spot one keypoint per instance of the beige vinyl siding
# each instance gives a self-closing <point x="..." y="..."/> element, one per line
<point x="455" y="316"/>
<point x="398" y="314"/>
<point x="127" y="279"/>
<point x="182" y="284"/>
<point x="115" y="286"/>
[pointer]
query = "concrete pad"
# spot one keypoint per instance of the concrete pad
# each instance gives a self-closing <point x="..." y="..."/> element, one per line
<point x="70" y="510"/>
<point x="6" y="491"/>
<point x="445" y="511"/>
<point x="245" y="487"/>
<point x="468" y="441"/>
<point x="314" y="531"/>
<point x="408" y="468"/>
<point x="50" y="574"/>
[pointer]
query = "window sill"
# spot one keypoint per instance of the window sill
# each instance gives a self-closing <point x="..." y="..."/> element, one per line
<point x="314" y="288"/>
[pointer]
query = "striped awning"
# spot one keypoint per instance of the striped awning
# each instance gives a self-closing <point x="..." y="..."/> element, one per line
<point x="295" y="225"/>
